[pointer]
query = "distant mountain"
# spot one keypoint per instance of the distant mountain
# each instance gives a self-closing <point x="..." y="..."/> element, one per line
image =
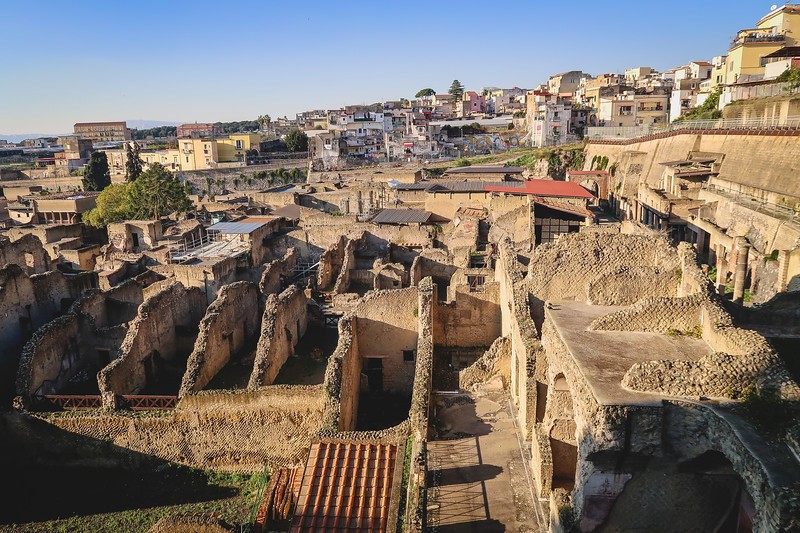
<point x="147" y="124"/>
<point x="18" y="137"/>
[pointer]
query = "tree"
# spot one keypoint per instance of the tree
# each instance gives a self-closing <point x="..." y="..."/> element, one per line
<point x="424" y="92"/>
<point x="133" y="163"/>
<point x="157" y="192"/>
<point x="791" y="75"/>
<point x="96" y="177"/>
<point x="296" y="141"/>
<point x="113" y="205"/>
<point x="456" y="90"/>
<point x="404" y="102"/>
<point x="264" y="121"/>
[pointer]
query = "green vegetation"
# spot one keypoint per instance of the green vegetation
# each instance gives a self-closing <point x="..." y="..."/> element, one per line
<point x="463" y="162"/>
<point x="424" y="92"/>
<point x="791" y="75"/>
<point x="226" y="496"/>
<point x="456" y="90"/>
<point x="133" y="162"/>
<point x="765" y="409"/>
<point x="695" y="332"/>
<point x="155" y="193"/>
<point x="161" y="131"/>
<point x="707" y="111"/>
<point x="296" y="141"/>
<point x="96" y="177"/>
<point x="519" y="114"/>
<point x="401" y="512"/>
<point x="264" y="121"/>
<point x="561" y="159"/>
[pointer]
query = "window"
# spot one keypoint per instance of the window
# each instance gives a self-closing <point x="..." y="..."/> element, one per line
<point x="408" y="356"/>
<point x="239" y="144"/>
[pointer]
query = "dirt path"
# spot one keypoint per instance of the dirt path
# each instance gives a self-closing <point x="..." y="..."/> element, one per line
<point x="477" y="478"/>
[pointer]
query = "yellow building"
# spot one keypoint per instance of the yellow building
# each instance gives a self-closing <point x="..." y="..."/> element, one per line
<point x="197" y="154"/>
<point x="234" y="148"/>
<point x="774" y="31"/>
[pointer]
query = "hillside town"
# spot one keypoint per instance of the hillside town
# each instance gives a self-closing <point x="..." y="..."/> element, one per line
<point x="570" y="306"/>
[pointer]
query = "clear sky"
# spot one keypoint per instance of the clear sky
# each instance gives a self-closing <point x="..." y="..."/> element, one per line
<point x="196" y="60"/>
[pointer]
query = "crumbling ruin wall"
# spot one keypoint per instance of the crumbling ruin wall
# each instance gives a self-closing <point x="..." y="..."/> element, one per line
<point x="330" y="263"/>
<point x="437" y="264"/>
<point x="659" y="315"/>
<point x="283" y="324"/>
<point x="163" y="327"/>
<point x="221" y="430"/>
<point x="343" y="380"/>
<point x="495" y="361"/>
<point x="420" y="410"/>
<point x="386" y="326"/>
<point x="27" y="252"/>
<point x="563" y="269"/>
<point x="516" y="225"/>
<point x="26" y="304"/>
<point x="276" y="272"/>
<point x="527" y="357"/>
<point x="691" y="430"/>
<point x="69" y="345"/>
<point x="231" y="321"/>
<point x="627" y="284"/>
<point x="471" y="319"/>
<point x="348" y="264"/>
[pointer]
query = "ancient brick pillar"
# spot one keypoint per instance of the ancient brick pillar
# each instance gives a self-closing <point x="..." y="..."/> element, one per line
<point x="783" y="270"/>
<point x="722" y="269"/>
<point x="740" y="275"/>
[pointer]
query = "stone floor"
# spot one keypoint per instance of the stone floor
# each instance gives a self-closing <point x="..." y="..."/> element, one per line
<point x="477" y="479"/>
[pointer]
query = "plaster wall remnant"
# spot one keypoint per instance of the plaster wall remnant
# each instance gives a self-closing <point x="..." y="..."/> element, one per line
<point x="283" y="324"/>
<point x="163" y="331"/>
<point x="230" y="322"/>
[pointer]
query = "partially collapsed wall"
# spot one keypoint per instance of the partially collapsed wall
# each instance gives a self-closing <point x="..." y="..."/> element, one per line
<point x="277" y="272"/>
<point x="164" y="328"/>
<point x="80" y="342"/>
<point x="27" y="252"/>
<point x="284" y="323"/>
<point x="230" y="323"/>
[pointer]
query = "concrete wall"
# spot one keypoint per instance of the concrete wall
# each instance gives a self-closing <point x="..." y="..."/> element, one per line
<point x="164" y="324"/>
<point x="284" y="323"/>
<point x="231" y="321"/>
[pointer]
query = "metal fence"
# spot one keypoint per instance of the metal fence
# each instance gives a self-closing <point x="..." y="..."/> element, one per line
<point x="786" y="123"/>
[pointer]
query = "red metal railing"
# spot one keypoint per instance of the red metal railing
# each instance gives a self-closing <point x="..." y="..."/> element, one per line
<point x="141" y="402"/>
<point x="69" y="402"/>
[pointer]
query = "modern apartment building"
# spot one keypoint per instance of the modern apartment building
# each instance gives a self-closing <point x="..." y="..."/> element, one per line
<point x="103" y="131"/>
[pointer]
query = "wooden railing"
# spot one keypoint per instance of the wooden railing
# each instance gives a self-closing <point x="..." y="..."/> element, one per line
<point x="68" y="402"/>
<point x="146" y="402"/>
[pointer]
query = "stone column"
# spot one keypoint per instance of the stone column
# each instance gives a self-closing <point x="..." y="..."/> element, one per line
<point x="740" y="275"/>
<point x="722" y="268"/>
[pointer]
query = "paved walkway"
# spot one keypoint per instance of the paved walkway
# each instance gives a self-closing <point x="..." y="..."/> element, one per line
<point x="477" y="480"/>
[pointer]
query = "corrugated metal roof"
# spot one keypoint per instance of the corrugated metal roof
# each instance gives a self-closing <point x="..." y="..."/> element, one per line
<point x="346" y="487"/>
<point x="402" y="216"/>
<point x="290" y="211"/>
<point x="236" y="228"/>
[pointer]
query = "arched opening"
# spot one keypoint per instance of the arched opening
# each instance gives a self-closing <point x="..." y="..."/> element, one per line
<point x="563" y="443"/>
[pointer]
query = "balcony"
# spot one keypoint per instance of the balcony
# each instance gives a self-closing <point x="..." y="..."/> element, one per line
<point x="758" y="38"/>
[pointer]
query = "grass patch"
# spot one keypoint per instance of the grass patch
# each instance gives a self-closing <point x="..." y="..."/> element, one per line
<point x="401" y="513"/>
<point x="695" y="333"/>
<point x="113" y="500"/>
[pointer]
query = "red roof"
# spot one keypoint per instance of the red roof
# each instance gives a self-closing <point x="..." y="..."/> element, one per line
<point x="563" y="206"/>
<point x="346" y="487"/>
<point x="564" y="189"/>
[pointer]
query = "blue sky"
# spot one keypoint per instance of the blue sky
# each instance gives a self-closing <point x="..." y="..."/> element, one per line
<point x="179" y="60"/>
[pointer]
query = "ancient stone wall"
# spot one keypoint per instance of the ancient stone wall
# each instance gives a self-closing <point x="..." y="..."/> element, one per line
<point x="61" y="349"/>
<point x="348" y="264"/>
<point x="330" y="263"/>
<point x="627" y="284"/>
<point x="495" y="361"/>
<point x="420" y="411"/>
<point x="276" y="272"/>
<point x="221" y="430"/>
<point x="283" y="324"/>
<point x="163" y="328"/>
<point x="343" y="380"/>
<point x="516" y="225"/>
<point x="26" y="252"/>
<point x="386" y="326"/>
<point x="231" y="321"/>
<point x="471" y="319"/>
